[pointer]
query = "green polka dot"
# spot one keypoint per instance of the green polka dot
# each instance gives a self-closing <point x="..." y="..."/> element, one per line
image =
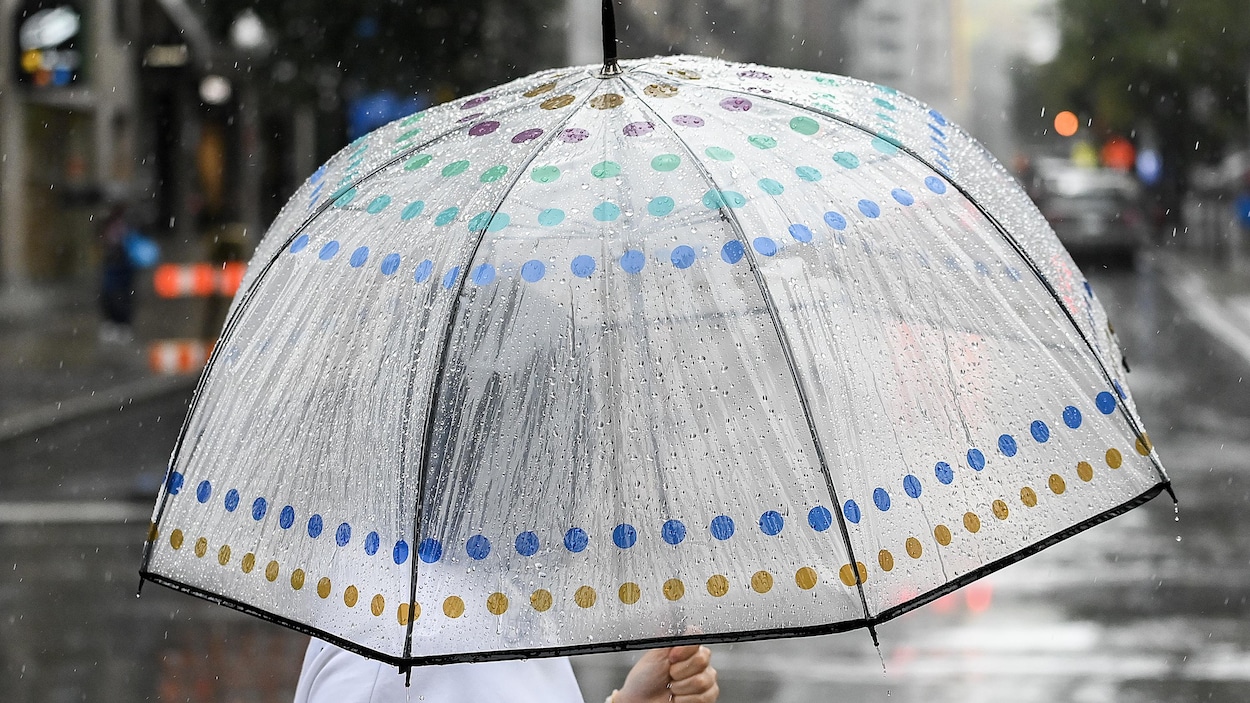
<point x="412" y="210"/>
<point x="719" y="153"/>
<point x="804" y="125"/>
<point x="762" y="141"/>
<point x="446" y="217"/>
<point x="771" y="186"/>
<point x="846" y="159"/>
<point x="493" y="173"/>
<point x="343" y="198"/>
<point x="666" y="162"/>
<point x="885" y="145"/>
<point x="808" y="174"/>
<point x="412" y="119"/>
<point x="378" y="204"/>
<point x="417" y="162"/>
<point x="605" y="169"/>
<point x="407" y="135"/>
<point x="661" y="206"/>
<point x="545" y="174"/>
<point x="455" y="168"/>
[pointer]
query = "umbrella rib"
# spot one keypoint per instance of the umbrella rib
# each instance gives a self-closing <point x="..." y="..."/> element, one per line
<point x="783" y="340"/>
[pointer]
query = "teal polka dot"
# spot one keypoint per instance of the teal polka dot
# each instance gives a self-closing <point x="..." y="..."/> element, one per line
<point x="407" y="135"/>
<point x="762" y="141"/>
<point x="498" y="222"/>
<point x="666" y="162"/>
<point x="804" y="125"/>
<point x="846" y="159"/>
<point x="484" y="220"/>
<point x="771" y="187"/>
<point x="661" y="206"/>
<point x="412" y="210"/>
<point x="455" y="168"/>
<point x="717" y="199"/>
<point x="808" y="174"/>
<point x="446" y="217"/>
<point x="719" y="153"/>
<point x="605" y="169"/>
<point x="378" y="204"/>
<point x="493" y="173"/>
<point x="884" y="103"/>
<point x="545" y="174"/>
<point x="412" y="119"/>
<point x="344" y="198"/>
<point x="417" y="162"/>
<point x="479" y="221"/>
<point x="606" y="212"/>
<point x="885" y="145"/>
<point x="551" y="217"/>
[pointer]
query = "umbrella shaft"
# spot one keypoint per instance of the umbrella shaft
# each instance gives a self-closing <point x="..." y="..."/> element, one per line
<point x="610" y="67"/>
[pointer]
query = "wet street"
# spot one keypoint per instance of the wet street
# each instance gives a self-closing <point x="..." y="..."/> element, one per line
<point x="1143" y="608"/>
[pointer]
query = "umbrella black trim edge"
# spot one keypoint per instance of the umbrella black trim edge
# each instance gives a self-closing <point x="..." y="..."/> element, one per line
<point x="722" y="638"/>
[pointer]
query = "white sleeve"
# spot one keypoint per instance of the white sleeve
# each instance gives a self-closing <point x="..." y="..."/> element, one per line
<point x="332" y="675"/>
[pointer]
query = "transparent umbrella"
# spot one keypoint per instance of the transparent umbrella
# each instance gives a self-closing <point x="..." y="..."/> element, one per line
<point x="670" y="350"/>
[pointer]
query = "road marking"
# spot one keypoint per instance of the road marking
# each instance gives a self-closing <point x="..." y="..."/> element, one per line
<point x="72" y="512"/>
<point x="1191" y="293"/>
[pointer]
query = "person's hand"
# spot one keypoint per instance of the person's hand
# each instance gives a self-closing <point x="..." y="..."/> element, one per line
<point x="678" y="674"/>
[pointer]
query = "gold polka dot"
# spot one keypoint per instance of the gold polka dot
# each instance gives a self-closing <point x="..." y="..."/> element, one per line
<point x="541" y="600"/>
<point x="1143" y="445"/>
<point x="1028" y="496"/>
<point x="271" y="571"/>
<point x="660" y="90"/>
<point x="557" y="102"/>
<point x="886" y="560"/>
<point x="350" y="596"/>
<point x="942" y="534"/>
<point x="323" y="587"/>
<point x="762" y="582"/>
<point x="674" y="589"/>
<point x="805" y="578"/>
<point x="629" y="593"/>
<point x="683" y="73"/>
<point x="539" y="90"/>
<point x="377" y="606"/>
<point x="497" y="603"/>
<point x="453" y="607"/>
<point x="1085" y="471"/>
<point x="718" y="586"/>
<point x="153" y="533"/>
<point x="223" y="555"/>
<point x="404" y="611"/>
<point x="175" y="539"/>
<point x="848" y="576"/>
<point x="1057" y="486"/>
<point x="585" y="597"/>
<point x="607" y="101"/>
<point x="201" y="547"/>
<point x="1114" y="458"/>
<point x="972" y="523"/>
<point x="1000" y="509"/>
<point x="914" y="549"/>
<point x="297" y="579"/>
<point x="249" y="563"/>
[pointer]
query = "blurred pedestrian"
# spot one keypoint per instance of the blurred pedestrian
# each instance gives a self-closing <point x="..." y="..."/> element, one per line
<point x="117" y="278"/>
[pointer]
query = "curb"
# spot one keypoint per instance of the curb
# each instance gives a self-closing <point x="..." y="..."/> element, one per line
<point x="53" y="414"/>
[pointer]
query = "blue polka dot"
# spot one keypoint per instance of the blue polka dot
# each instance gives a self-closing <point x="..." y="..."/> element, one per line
<point x="412" y="210"/>
<point x="533" y="270"/>
<point x="551" y="217"/>
<point x="808" y="174"/>
<point x="682" y="257"/>
<point x="286" y="518"/>
<point x="483" y="274"/>
<point x="400" y="552"/>
<point x="372" y="543"/>
<point x="343" y="535"/>
<point x="819" y="518"/>
<point x="430" y="550"/>
<point x="1089" y="290"/>
<point x="881" y="499"/>
<point x="801" y="233"/>
<point x="328" y="250"/>
<point x="902" y="197"/>
<point x="232" y="500"/>
<point x="624" y="535"/>
<point x="204" y="491"/>
<point x="390" y="264"/>
<point x="1119" y="390"/>
<point x="911" y="486"/>
<point x="1105" y="402"/>
<point x="576" y="540"/>
<point x="935" y="184"/>
<point x="771" y="186"/>
<point x="869" y="208"/>
<point x="259" y="507"/>
<point x="315" y="526"/>
<point x="359" y="257"/>
<point x="835" y="220"/>
<point x="937" y="117"/>
<point x="944" y="473"/>
<point x="732" y="252"/>
<point x="423" y="271"/>
<point x="722" y="527"/>
<point x="527" y="544"/>
<point x="1072" y="417"/>
<point x="765" y="245"/>
<point x="632" y="261"/>
<point x="673" y="532"/>
<point x="449" y="278"/>
<point x="771" y="522"/>
<point x="982" y="268"/>
<point x="583" y="266"/>
<point x="478" y="547"/>
<point x="850" y="509"/>
<point x="1040" y="431"/>
<point x="976" y="459"/>
<point x="446" y="217"/>
<point x="300" y="243"/>
<point x="606" y="212"/>
<point x="1007" y="445"/>
<point x="661" y="206"/>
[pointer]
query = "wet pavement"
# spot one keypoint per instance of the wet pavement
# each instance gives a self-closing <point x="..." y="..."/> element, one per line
<point x="1123" y="612"/>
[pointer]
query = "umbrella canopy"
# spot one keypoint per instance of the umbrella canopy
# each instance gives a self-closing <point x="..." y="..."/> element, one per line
<point x="595" y="361"/>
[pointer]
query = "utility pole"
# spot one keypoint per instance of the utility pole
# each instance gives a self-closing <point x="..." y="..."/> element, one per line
<point x="13" y="274"/>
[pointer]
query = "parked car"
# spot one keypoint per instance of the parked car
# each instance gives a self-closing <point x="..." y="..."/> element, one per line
<point x="1095" y="211"/>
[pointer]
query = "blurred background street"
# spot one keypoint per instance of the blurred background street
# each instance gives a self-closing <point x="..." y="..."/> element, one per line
<point x="168" y="133"/>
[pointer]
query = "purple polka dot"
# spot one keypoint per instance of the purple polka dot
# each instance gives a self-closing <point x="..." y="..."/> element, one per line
<point x="637" y="129"/>
<point x="470" y="118"/>
<point x="483" y="128"/>
<point x="573" y="135"/>
<point x="474" y="102"/>
<point x="688" y="120"/>
<point x="736" y="104"/>
<point x="527" y="135"/>
<point x="755" y="74"/>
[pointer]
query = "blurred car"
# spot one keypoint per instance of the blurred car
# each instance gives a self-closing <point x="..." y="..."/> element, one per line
<point x="1094" y="211"/>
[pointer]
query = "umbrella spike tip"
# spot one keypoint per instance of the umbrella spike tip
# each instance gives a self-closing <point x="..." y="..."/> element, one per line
<point x="406" y="670"/>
